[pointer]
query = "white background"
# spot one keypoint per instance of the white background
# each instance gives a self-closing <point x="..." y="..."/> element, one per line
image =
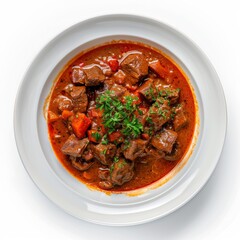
<point x="26" y="26"/>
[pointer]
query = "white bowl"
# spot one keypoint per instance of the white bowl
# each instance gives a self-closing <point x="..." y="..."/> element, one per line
<point x="67" y="192"/>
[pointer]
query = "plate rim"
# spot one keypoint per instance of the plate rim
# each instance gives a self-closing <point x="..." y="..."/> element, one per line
<point x="108" y="17"/>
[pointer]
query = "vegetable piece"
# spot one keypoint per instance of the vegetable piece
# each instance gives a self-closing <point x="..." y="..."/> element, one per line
<point x="114" y="136"/>
<point x="95" y="113"/>
<point x="158" y="68"/>
<point x="80" y="125"/>
<point x="137" y="98"/>
<point x="66" y="114"/>
<point x="94" y="136"/>
<point x="52" y="117"/>
<point x="113" y="64"/>
<point x="145" y="136"/>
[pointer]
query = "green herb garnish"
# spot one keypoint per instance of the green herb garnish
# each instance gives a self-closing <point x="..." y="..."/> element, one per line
<point x="119" y="114"/>
<point x="96" y="135"/>
<point x="105" y="140"/>
<point x="104" y="151"/>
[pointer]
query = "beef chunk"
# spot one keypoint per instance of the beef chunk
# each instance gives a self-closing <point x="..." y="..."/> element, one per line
<point x="108" y="83"/>
<point x="74" y="147"/>
<point x="180" y="119"/>
<point x="152" y="89"/>
<point x="80" y="99"/>
<point x="170" y="93"/>
<point x="135" y="65"/>
<point x="52" y="117"/>
<point x="154" y="153"/>
<point x="104" y="173"/>
<point x="118" y="90"/>
<point x="156" y="67"/>
<point x="63" y="102"/>
<point x="164" y="141"/>
<point x="175" y="154"/>
<point x="77" y="91"/>
<point x="80" y="164"/>
<point x="104" y="153"/>
<point x="78" y="75"/>
<point x="159" y="113"/>
<point x="121" y="172"/>
<point x="94" y="75"/>
<point x="148" y="90"/>
<point x="106" y="185"/>
<point x="87" y="154"/>
<point x="119" y="77"/>
<point x="135" y="149"/>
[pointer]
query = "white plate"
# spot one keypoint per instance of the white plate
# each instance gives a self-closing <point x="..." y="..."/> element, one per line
<point x="74" y="197"/>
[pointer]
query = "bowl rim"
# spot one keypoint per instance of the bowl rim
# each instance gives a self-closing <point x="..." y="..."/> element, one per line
<point x="109" y="16"/>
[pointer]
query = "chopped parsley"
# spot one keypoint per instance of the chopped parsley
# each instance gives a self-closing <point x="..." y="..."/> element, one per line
<point x="122" y="164"/>
<point x="115" y="159"/>
<point x="105" y="140"/>
<point x="96" y="135"/>
<point x="150" y="93"/>
<point x="104" y="151"/>
<point x="119" y="114"/>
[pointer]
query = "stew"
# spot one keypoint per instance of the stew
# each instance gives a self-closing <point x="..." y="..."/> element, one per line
<point x="121" y="116"/>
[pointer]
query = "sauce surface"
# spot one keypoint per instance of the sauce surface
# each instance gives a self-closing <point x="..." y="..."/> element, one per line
<point x="141" y="136"/>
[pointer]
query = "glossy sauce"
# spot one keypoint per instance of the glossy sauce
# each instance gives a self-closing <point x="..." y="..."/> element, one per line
<point x="144" y="173"/>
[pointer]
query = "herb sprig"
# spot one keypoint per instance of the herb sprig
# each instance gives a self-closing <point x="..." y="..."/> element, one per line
<point x="119" y="114"/>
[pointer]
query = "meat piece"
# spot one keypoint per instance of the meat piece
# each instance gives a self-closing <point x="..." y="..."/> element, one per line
<point x="63" y="102"/>
<point x="106" y="185"/>
<point x="87" y="154"/>
<point x="80" y="99"/>
<point x="159" y="113"/>
<point x="94" y="75"/>
<point x="117" y="90"/>
<point x="135" y="149"/>
<point x="104" y="173"/>
<point x="164" y="141"/>
<point x="169" y="93"/>
<point x="135" y="65"/>
<point x="80" y="164"/>
<point x="74" y="147"/>
<point x="148" y="90"/>
<point x="155" y="153"/>
<point x="121" y="172"/>
<point x="104" y="153"/>
<point x="77" y="91"/>
<point x="180" y="119"/>
<point x="156" y="67"/>
<point x="78" y="75"/>
<point x="52" y="117"/>
<point x="175" y="154"/>
<point x="119" y="77"/>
